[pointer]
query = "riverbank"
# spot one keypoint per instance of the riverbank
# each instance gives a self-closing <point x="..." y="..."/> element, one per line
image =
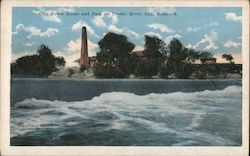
<point x="200" y="71"/>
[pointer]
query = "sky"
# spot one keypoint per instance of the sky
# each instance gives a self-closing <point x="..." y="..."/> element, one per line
<point x="214" y="29"/>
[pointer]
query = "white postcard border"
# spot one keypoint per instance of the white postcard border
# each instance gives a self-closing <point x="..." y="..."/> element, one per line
<point x="6" y="26"/>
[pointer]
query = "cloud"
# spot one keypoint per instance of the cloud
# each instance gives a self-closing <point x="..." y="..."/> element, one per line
<point x="196" y="29"/>
<point x="193" y="29"/>
<point x="19" y="27"/>
<point x="213" y="24"/>
<point x="15" y="56"/>
<point x="169" y="38"/>
<point x="99" y="20"/>
<point x="138" y="48"/>
<point x="190" y="46"/>
<point x="153" y="34"/>
<point x="232" y="17"/>
<point x="51" y="15"/>
<point x="66" y="9"/>
<point x="155" y="10"/>
<point x="161" y="27"/>
<point x="69" y="59"/>
<point x="124" y="30"/>
<point x="133" y="33"/>
<point x="49" y="32"/>
<point x="74" y="46"/>
<point x="78" y="26"/>
<point x="72" y="51"/>
<point x="115" y="29"/>
<point x="34" y="31"/>
<point x="28" y="44"/>
<point x="230" y="44"/>
<point x="48" y="15"/>
<point x="210" y="40"/>
<point x="236" y="55"/>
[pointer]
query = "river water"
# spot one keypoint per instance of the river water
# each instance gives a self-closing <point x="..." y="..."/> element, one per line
<point x="198" y="118"/>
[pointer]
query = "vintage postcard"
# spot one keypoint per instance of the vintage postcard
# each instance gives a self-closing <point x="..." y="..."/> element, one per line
<point x="124" y="77"/>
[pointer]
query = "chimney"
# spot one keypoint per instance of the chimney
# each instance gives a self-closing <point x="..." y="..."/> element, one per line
<point x="84" y="60"/>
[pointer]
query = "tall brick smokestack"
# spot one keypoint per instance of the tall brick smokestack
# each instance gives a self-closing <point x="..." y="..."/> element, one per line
<point x="84" y="60"/>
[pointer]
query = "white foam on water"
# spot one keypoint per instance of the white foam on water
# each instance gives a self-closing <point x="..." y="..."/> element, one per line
<point x="178" y="113"/>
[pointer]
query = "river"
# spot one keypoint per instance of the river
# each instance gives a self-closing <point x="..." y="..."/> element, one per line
<point x="126" y="112"/>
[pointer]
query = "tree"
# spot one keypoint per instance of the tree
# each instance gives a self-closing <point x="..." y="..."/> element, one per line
<point x="179" y="60"/>
<point x="228" y="57"/>
<point x="70" y="72"/>
<point x="26" y="65"/>
<point x="191" y="55"/>
<point x="60" y="62"/>
<point x="47" y="60"/>
<point x="154" y="47"/>
<point x="205" y="55"/>
<point x="175" y="47"/>
<point x="115" y="56"/>
<point x="147" y="68"/>
<point x="41" y="64"/>
<point x="155" y="51"/>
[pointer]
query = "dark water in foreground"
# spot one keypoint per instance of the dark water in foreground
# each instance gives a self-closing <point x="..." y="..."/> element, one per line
<point x="202" y="118"/>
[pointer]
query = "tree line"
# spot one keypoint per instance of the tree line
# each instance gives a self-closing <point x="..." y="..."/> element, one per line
<point x="41" y="64"/>
<point x="116" y="58"/>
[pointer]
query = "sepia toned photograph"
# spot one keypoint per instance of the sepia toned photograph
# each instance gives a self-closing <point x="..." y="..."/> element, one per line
<point x="127" y="76"/>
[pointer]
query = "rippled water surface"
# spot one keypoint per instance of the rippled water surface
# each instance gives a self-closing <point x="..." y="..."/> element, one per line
<point x="207" y="118"/>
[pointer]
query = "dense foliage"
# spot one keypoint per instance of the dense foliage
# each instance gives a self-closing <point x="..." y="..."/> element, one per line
<point x="116" y="59"/>
<point x="41" y="64"/>
<point x="155" y="51"/>
<point x="179" y="62"/>
<point x="228" y="57"/>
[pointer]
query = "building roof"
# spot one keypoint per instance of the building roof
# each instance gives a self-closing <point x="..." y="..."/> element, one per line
<point x="92" y="58"/>
<point x="209" y="59"/>
<point x="77" y="60"/>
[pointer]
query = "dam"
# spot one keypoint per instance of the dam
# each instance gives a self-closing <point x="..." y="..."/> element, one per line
<point x="83" y="89"/>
